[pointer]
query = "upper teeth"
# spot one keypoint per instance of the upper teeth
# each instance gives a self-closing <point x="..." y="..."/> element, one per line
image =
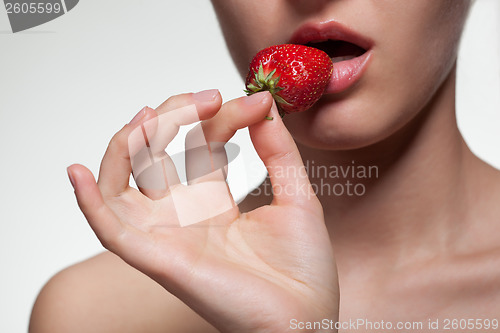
<point x="339" y="59"/>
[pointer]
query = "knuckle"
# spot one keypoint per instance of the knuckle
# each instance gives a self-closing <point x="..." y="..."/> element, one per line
<point x="172" y="102"/>
<point x="117" y="142"/>
<point x="277" y="157"/>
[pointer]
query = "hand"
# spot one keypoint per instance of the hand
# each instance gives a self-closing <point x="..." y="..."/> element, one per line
<point x="243" y="272"/>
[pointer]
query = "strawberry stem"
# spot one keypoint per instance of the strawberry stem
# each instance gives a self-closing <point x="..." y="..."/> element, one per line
<point x="267" y="82"/>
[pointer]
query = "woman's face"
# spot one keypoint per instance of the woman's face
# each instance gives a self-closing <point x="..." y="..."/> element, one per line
<point x="405" y="50"/>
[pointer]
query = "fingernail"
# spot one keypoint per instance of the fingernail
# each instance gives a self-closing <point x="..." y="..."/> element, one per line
<point x="206" y="95"/>
<point x="71" y="178"/>
<point x="256" y="98"/>
<point x="138" y="116"/>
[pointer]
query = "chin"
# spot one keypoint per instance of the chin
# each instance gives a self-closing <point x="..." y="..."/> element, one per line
<point x="339" y="125"/>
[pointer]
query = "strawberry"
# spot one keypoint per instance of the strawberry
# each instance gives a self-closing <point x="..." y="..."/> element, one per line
<point x="296" y="75"/>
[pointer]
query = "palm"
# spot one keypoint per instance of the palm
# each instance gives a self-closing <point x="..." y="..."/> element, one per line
<point x="270" y="249"/>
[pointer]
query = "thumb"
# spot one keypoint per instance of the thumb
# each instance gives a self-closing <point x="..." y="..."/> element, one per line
<point x="278" y="151"/>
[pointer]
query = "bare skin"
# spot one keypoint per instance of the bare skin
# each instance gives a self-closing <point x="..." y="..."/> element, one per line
<point x="420" y="244"/>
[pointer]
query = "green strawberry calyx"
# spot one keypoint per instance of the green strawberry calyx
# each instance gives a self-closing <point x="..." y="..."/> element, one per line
<point x="269" y="83"/>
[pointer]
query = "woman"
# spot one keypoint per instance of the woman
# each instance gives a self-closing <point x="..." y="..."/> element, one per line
<point x="416" y="248"/>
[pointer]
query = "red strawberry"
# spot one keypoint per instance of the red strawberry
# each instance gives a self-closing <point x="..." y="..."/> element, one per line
<point x="296" y="75"/>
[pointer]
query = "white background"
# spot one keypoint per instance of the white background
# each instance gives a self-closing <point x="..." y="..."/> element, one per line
<point x="67" y="86"/>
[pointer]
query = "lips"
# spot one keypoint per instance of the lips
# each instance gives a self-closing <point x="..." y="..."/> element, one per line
<point x="349" y="51"/>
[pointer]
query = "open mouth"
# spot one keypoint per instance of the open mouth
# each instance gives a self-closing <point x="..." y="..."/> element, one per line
<point x="350" y="51"/>
<point x="338" y="50"/>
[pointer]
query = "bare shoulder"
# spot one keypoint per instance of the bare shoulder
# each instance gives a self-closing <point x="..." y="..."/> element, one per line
<point x="479" y="212"/>
<point x="473" y="282"/>
<point x="473" y="272"/>
<point x="104" y="294"/>
<point x="462" y="281"/>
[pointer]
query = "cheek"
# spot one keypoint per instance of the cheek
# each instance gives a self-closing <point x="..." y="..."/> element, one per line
<point x="420" y="45"/>
<point x="414" y="63"/>
<point x="421" y="53"/>
<point x="249" y="26"/>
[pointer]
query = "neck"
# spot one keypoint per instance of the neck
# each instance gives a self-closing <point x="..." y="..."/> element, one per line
<point x="400" y="195"/>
